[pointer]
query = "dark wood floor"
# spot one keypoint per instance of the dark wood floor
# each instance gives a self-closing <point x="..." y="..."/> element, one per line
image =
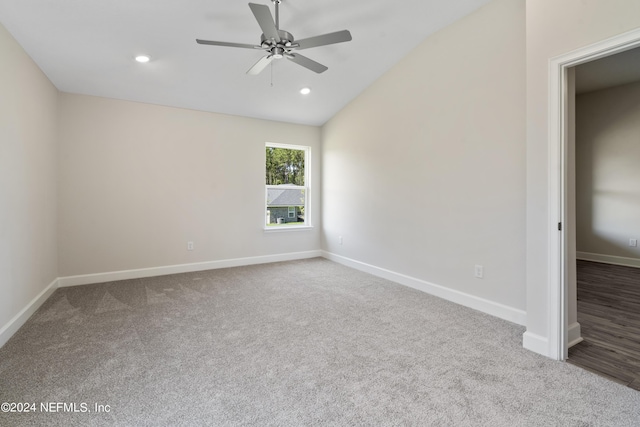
<point x="609" y="316"/>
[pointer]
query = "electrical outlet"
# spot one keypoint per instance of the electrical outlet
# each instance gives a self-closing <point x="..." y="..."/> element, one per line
<point x="633" y="242"/>
<point x="340" y="239"/>
<point x="479" y="271"/>
<point x="189" y="246"/>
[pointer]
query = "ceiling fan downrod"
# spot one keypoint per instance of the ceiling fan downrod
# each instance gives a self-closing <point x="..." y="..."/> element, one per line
<point x="277" y="4"/>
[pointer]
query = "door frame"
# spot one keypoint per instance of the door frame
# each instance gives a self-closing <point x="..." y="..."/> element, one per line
<point x="557" y="190"/>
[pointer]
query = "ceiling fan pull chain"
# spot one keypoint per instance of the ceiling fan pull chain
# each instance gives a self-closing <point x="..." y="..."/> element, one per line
<point x="271" y="74"/>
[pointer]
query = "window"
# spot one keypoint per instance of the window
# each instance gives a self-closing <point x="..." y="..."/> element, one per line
<point x="287" y="186"/>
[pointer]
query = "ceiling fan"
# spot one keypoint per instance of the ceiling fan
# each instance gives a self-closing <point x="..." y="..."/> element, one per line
<point x="280" y="44"/>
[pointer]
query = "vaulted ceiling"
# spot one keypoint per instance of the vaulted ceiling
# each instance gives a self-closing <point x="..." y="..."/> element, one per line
<point x="88" y="46"/>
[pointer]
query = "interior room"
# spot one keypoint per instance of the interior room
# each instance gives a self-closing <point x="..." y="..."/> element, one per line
<point x="151" y="275"/>
<point x="606" y="210"/>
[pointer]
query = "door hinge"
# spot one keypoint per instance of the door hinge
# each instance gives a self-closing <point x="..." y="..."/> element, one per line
<point x="559" y="226"/>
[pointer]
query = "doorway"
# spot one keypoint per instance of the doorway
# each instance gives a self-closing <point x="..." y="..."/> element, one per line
<point x="562" y="289"/>
<point x="604" y="206"/>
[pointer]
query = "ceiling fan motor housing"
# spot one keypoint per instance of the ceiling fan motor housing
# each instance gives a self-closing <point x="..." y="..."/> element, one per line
<point x="278" y="49"/>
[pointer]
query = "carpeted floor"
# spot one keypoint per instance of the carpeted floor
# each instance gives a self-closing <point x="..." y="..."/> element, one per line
<point x="288" y="344"/>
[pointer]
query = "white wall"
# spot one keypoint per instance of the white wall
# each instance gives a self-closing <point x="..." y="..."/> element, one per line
<point x="555" y="28"/>
<point x="424" y="173"/>
<point x="608" y="171"/>
<point x="138" y="181"/>
<point x="28" y="175"/>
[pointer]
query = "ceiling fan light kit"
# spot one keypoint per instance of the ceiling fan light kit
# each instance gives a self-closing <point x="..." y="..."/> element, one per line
<point x="280" y="44"/>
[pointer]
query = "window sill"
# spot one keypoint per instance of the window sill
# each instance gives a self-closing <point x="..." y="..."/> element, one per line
<point x="288" y="228"/>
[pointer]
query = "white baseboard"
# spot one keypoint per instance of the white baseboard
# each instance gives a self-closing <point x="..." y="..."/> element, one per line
<point x="609" y="259"/>
<point x="486" y="306"/>
<point x="539" y="344"/>
<point x="573" y="334"/>
<point x="14" y="324"/>
<point x="536" y="343"/>
<point x="87" y="279"/>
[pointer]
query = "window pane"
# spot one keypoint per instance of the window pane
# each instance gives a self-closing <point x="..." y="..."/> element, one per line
<point x="285" y="166"/>
<point x="286" y="185"/>
<point x="285" y="205"/>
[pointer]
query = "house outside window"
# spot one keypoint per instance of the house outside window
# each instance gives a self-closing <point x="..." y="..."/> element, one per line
<point x="287" y="186"/>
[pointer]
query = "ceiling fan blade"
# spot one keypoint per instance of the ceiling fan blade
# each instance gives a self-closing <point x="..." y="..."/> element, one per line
<point x="265" y="20"/>
<point x="307" y="63"/>
<point x="260" y="65"/>
<point x="325" y="39"/>
<point x="247" y="46"/>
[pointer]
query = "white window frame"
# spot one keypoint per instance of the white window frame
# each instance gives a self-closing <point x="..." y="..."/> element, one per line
<point x="306" y="187"/>
<point x="292" y="213"/>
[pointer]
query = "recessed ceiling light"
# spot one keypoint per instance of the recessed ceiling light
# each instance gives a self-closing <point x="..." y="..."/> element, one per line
<point x="142" y="58"/>
<point x="305" y="91"/>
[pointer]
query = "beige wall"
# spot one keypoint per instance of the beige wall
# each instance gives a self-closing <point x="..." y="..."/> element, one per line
<point x="138" y="181"/>
<point x="28" y="175"/>
<point x="424" y="173"/>
<point x="608" y="172"/>
<point x="554" y="28"/>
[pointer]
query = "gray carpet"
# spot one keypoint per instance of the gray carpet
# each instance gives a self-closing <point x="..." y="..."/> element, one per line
<point x="289" y="344"/>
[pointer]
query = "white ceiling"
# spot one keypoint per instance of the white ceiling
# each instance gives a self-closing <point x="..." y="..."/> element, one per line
<point x="614" y="70"/>
<point x="87" y="47"/>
